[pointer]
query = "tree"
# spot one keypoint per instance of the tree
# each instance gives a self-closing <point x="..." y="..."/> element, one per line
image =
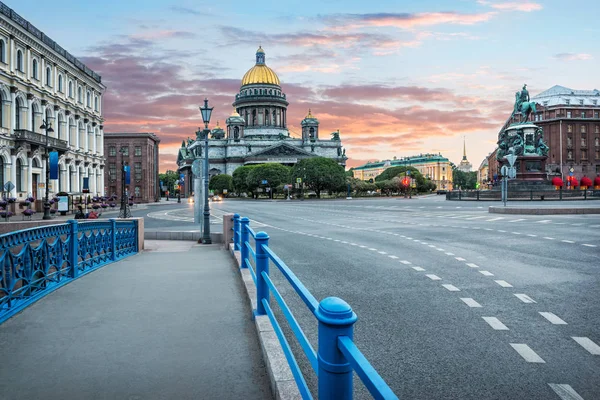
<point x="463" y="180"/>
<point x="220" y="183"/>
<point x="395" y="171"/>
<point x="350" y="173"/>
<point x="240" y="176"/>
<point x="274" y="174"/>
<point x="320" y="173"/>
<point x="169" y="179"/>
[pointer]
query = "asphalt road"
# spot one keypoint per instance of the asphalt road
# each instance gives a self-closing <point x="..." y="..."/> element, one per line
<point x="453" y="302"/>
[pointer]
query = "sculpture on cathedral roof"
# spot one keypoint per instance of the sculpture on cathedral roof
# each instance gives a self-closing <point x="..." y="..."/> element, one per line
<point x="335" y="135"/>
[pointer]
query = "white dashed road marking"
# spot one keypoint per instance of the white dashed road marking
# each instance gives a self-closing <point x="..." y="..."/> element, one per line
<point x="565" y="392"/>
<point x="394" y="257"/>
<point x="503" y="283"/>
<point x="494" y="219"/>
<point x="524" y="298"/>
<point x="567" y="241"/>
<point x="405" y="262"/>
<point x="449" y="254"/>
<point x="553" y="318"/>
<point x="495" y="323"/>
<point x="470" y="302"/>
<point x="472" y="265"/>
<point x="451" y="288"/>
<point x="486" y="273"/>
<point x="527" y="353"/>
<point x="460" y="259"/>
<point x="589" y="245"/>
<point x="418" y="269"/>
<point x="588" y="344"/>
<point x="433" y="277"/>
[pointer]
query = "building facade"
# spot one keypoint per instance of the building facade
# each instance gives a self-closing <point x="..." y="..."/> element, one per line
<point x="483" y="173"/>
<point x="571" y="123"/>
<point x="41" y="82"/>
<point x="257" y="130"/>
<point x="432" y="166"/>
<point x="140" y="152"/>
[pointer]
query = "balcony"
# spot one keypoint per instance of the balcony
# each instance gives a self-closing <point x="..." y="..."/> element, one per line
<point x="22" y="135"/>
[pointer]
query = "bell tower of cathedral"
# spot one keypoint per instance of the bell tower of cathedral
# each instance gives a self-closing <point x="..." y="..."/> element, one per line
<point x="310" y="128"/>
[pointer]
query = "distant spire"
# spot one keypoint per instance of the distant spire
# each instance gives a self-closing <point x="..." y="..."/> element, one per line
<point x="464" y="148"/>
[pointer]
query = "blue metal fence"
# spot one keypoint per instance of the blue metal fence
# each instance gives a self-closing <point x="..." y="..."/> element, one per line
<point x="37" y="261"/>
<point x="337" y="356"/>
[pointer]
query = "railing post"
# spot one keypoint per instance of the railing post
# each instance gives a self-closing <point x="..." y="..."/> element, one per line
<point x="113" y="239"/>
<point x="560" y="194"/>
<point x="336" y="318"/>
<point x="73" y="248"/>
<point x="236" y="232"/>
<point x="585" y="194"/>
<point x="244" y="224"/>
<point x="262" y="265"/>
<point x="478" y="195"/>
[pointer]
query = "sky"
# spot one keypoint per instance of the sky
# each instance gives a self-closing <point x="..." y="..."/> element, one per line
<point x="397" y="78"/>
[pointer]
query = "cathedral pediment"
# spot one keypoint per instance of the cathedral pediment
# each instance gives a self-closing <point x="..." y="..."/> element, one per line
<point x="282" y="150"/>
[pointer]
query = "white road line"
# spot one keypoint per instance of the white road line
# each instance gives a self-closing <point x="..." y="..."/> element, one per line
<point x="494" y="219"/>
<point x="450" y="254"/>
<point x="472" y="265"/>
<point x="405" y="262"/>
<point x="353" y="244"/>
<point x="588" y="344"/>
<point x="486" y="273"/>
<point x="431" y="245"/>
<point x="372" y="249"/>
<point x="589" y="245"/>
<point x="527" y="353"/>
<point x="438" y="249"/>
<point x="530" y="235"/>
<point x="544" y="221"/>
<point x="524" y="298"/>
<point x="555" y="320"/>
<point x="460" y="259"/>
<point x="394" y="257"/>
<point x="495" y="323"/>
<point x="567" y="241"/>
<point x="516" y="233"/>
<point x="488" y="229"/>
<point x="418" y="269"/>
<point x="500" y="230"/>
<point x="451" y="288"/>
<point x="503" y="283"/>
<point x="433" y="277"/>
<point x="483" y="216"/>
<point x="409" y="238"/>
<point x="517" y="220"/>
<point x="565" y="392"/>
<point x="470" y="302"/>
<point x="382" y="252"/>
<point x="363" y="247"/>
<point x="549" y="238"/>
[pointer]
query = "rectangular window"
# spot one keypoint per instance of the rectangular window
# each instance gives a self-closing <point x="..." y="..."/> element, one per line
<point x="569" y="155"/>
<point x="569" y="128"/>
<point x="596" y="115"/>
<point x="125" y="150"/>
<point x="138" y="171"/>
<point x="597" y="155"/>
<point x="138" y="151"/>
<point x="582" y="128"/>
<point x="569" y="141"/>
<point x="112" y="171"/>
<point x="584" y="155"/>
<point x="583" y="114"/>
<point x="597" y="141"/>
<point x="568" y="114"/>
<point x="597" y="129"/>
<point x="583" y="140"/>
<point x="138" y="191"/>
<point x="112" y="151"/>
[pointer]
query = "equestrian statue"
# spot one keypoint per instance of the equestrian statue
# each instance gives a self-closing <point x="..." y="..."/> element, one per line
<point x="522" y="104"/>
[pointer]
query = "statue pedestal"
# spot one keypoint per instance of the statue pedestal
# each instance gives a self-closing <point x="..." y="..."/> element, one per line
<point x="529" y="167"/>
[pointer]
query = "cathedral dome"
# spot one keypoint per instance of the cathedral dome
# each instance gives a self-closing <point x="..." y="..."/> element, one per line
<point x="260" y="73"/>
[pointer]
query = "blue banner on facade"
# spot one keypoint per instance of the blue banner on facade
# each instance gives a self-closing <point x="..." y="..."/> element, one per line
<point x="54" y="165"/>
<point x="86" y="183"/>
<point x="127" y="175"/>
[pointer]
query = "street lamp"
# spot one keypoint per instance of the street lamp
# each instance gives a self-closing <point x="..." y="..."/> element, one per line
<point x="206" y="112"/>
<point x="124" y="212"/>
<point x="48" y="128"/>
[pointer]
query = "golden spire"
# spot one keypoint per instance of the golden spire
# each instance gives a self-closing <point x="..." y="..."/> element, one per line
<point x="464" y="148"/>
<point x="218" y="127"/>
<point x="309" y="115"/>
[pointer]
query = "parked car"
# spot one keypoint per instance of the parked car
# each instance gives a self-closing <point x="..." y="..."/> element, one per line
<point x="216" y="198"/>
<point x="442" y="191"/>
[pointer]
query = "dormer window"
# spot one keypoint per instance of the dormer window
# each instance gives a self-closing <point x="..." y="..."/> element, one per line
<point x="581" y="102"/>
<point x="568" y="101"/>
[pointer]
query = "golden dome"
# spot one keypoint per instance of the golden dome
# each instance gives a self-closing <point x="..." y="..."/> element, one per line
<point x="309" y="115"/>
<point x="235" y="113"/>
<point x="260" y="73"/>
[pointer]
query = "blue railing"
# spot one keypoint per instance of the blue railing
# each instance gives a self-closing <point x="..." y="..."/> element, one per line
<point x="37" y="261"/>
<point x="337" y="356"/>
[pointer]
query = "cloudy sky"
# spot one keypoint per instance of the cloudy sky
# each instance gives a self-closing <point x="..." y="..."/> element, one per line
<point x="397" y="78"/>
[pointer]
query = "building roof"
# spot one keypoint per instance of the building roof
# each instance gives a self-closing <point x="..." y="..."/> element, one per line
<point x="118" y="135"/>
<point x="560" y="95"/>
<point x="422" y="158"/>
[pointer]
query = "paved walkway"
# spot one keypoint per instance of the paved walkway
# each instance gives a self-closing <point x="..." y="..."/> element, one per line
<point x="170" y="323"/>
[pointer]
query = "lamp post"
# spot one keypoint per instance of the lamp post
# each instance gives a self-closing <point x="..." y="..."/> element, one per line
<point x="124" y="212"/>
<point x="48" y="128"/>
<point x="206" y="112"/>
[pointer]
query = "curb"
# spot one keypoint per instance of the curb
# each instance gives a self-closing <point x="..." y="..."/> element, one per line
<point x="543" y="211"/>
<point x="283" y="385"/>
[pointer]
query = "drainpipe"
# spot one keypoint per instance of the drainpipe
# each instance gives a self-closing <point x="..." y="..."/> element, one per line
<point x="561" y="150"/>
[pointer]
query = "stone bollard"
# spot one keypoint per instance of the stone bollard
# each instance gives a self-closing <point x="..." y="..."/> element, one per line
<point x="227" y="230"/>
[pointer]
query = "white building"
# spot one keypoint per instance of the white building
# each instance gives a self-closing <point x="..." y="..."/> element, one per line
<point x="40" y="81"/>
<point x="464" y="165"/>
<point x="257" y="131"/>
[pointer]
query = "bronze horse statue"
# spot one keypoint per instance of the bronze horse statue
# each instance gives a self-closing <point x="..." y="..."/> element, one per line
<point x="524" y="107"/>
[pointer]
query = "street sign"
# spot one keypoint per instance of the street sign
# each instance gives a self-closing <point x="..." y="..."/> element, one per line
<point x="298" y="180"/>
<point x="408" y="172"/>
<point x="8" y="186"/>
<point x="511" y="159"/>
<point x="512" y="172"/>
<point x="571" y="170"/>
<point x="264" y="182"/>
<point x="197" y="168"/>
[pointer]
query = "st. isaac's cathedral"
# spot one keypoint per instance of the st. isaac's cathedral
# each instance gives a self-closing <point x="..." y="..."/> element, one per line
<point x="257" y="131"/>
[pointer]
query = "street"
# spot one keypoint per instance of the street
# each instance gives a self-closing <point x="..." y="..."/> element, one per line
<point x="453" y="302"/>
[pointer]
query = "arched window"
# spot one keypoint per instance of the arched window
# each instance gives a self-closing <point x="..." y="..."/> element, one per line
<point x="88" y="101"/>
<point x="2" y="47"/>
<point x="20" y="60"/>
<point x="36" y="163"/>
<point x="19" y="175"/>
<point x="18" y="114"/>
<point x="60" y="85"/>
<point x="79" y="94"/>
<point x="34" y="69"/>
<point x="70" y="89"/>
<point x="96" y="103"/>
<point x="1" y="113"/>
<point x="2" y="171"/>
<point x="48" y="76"/>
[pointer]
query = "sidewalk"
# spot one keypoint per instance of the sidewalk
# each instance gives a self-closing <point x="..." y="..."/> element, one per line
<point x="169" y="323"/>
